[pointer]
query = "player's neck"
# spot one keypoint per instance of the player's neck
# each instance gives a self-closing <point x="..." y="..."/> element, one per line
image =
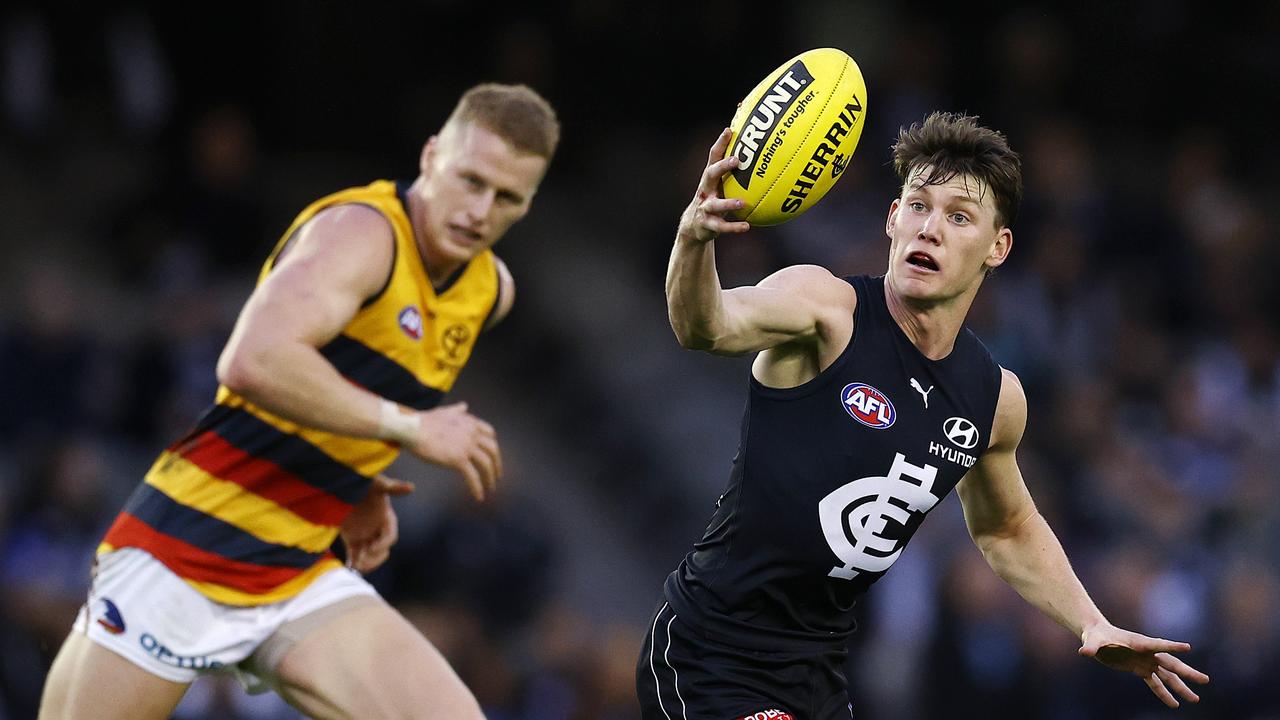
<point x="438" y="271"/>
<point x="931" y="327"/>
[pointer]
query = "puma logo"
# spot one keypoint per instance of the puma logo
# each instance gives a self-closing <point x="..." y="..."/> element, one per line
<point x="923" y="393"/>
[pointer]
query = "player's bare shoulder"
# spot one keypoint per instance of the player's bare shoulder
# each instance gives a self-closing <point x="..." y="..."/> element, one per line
<point x="813" y="283"/>
<point x="348" y="224"/>
<point x="832" y="300"/>
<point x="1011" y="412"/>
<point x="506" y="293"/>
<point x="352" y="244"/>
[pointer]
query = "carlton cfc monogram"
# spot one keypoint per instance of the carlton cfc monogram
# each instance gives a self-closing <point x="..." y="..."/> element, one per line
<point x="856" y="516"/>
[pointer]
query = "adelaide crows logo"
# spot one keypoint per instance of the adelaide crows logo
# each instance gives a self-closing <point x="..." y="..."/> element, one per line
<point x="111" y="618"/>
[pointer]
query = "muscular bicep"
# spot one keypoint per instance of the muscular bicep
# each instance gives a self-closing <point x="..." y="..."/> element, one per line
<point x="794" y="305"/>
<point x="338" y="260"/>
<point x="993" y="493"/>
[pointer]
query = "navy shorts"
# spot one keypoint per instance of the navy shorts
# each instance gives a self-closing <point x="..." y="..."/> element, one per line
<point x="684" y="676"/>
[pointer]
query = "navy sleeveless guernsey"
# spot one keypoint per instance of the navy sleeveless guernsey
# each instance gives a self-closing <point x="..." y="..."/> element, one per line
<point x="830" y="482"/>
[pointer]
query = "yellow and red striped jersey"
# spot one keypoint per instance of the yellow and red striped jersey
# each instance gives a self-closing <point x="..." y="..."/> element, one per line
<point x="246" y="506"/>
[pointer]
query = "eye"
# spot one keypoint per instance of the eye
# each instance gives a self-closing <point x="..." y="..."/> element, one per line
<point x="916" y="206"/>
<point x="472" y="181"/>
<point x="960" y="218"/>
<point x="508" y="198"/>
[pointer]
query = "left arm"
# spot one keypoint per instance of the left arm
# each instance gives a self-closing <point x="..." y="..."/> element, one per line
<point x="506" y="294"/>
<point x="1019" y="545"/>
<point x="371" y="528"/>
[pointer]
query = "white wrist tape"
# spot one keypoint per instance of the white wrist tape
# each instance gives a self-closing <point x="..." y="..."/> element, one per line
<point x="397" y="425"/>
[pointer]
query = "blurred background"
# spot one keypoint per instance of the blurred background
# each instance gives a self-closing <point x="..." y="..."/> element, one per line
<point x="152" y="153"/>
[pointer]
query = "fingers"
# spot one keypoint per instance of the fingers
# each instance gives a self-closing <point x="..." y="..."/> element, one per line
<point x="482" y="465"/>
<point x="1142" y="643"/>
<point x="1180" y="668"/>
<point x="456" y="439"/>
<point x="391" y="486"/>
<point x="1160" y="690"/>
<point x="719" y="147"/>
<point x="720" y="206"/>
<point x="368" y="550"/>
<point x="492" y="457"/>
<point x="1176" y="683"/>
<point x="378" y="550"/>
<point x="710" y="185"/>
<point x="720" y="225"/>
<point x="472" y="477"/>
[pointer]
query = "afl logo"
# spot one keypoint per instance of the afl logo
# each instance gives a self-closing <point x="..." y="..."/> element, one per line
<point x="411" y="322"/>
<point x="961" y="432"/>
<point x="867" y="405"/>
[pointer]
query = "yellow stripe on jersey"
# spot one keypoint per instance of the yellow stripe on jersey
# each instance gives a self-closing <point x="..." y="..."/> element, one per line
<point x="231" y="596"/>
<point x="193" y="487"/>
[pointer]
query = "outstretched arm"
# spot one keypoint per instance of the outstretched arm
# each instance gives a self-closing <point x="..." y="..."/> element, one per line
<point x="788" y="306"/>
<point x="1024" y="551"/>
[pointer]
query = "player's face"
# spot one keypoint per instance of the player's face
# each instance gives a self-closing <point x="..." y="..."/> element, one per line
<point x="943" y="238"/>
<point x="475" y="187"/>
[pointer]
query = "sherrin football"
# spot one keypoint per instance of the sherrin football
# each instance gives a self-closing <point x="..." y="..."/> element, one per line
<point x="794" y="134"/>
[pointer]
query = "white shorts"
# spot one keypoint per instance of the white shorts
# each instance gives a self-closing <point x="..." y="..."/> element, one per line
<point x="142" y="611"/>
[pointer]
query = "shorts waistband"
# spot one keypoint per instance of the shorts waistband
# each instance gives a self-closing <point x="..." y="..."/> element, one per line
<point x="725" y="630"/>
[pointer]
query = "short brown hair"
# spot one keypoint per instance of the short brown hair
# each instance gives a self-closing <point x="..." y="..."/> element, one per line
<point x="516" y="113"/>
<point x="952" y="144"/>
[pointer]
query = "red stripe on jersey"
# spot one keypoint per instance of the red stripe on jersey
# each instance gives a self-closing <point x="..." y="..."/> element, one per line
<point x="263" y="478"/>
<point x="192" y="563"/>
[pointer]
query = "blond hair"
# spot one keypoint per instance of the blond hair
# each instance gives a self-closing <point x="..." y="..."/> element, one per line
<point x="516" y="113"/>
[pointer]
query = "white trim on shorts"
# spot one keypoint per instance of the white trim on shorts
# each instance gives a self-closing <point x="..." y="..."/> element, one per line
<point x="143" y="612"/>
<point x="653" y="646"/>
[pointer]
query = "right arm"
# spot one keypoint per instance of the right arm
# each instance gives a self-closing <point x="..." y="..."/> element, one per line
<point x="792" y="306"/>
<point x="339" y="259"/>
<point x="336" y="261"/>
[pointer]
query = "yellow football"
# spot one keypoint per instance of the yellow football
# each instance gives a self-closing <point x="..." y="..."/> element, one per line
<point x="794" y="134"/>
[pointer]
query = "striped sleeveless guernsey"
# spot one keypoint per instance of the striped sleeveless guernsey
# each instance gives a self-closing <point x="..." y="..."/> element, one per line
<point x="246" y="506"/>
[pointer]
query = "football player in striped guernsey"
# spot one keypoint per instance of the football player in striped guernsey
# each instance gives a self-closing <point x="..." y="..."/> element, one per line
<point x="363" y="316"/>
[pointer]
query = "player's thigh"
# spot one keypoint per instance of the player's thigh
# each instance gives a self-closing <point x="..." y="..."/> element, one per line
<point x="371" y="663"/>
<point x="89" y="681"/>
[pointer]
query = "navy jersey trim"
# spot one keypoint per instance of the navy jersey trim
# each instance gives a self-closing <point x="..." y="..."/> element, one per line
<point x="379" y="374"/>
<point x="260" y="439"/>
<point x="163" y="514"/>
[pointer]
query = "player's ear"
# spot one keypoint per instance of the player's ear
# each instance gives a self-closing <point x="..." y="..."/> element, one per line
<point x="891" y="221"/>
<point x="429" y="150"/>
<point x="1000" y="248"/>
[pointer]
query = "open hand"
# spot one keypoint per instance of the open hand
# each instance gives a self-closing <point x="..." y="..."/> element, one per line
<point x="704" y="219"/>
<point x="371" y="529"/>
<point x="1146" y="657"/>
<point x="451" y="437"/>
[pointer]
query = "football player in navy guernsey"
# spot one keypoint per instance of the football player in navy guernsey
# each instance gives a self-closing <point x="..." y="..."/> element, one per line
<point x="869" y="401"/>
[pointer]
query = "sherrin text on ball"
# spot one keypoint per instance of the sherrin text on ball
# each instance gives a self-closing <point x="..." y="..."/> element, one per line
<point x="794" y="135"/>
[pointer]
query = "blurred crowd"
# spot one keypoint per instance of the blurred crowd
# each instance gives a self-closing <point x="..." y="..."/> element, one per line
<point x="146" y="168"/>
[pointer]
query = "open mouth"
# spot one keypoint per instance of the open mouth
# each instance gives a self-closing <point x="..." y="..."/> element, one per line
<point x="469" y="235"/>
<point x="922" y="261"/>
